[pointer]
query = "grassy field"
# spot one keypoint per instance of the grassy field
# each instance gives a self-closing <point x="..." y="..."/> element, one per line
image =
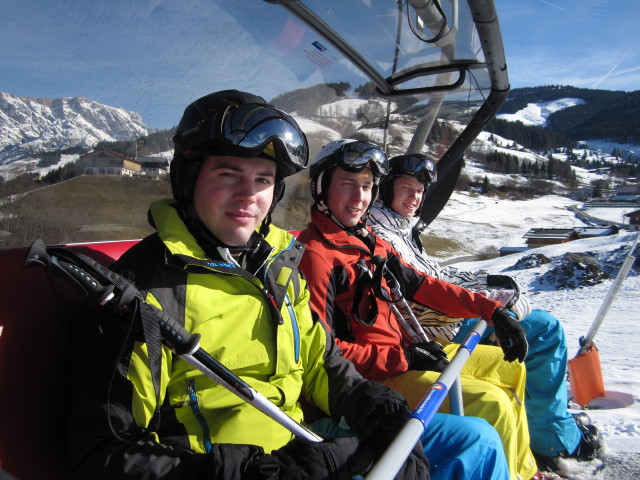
<point x="108" y="207"/>
<point x="83" y="209"/>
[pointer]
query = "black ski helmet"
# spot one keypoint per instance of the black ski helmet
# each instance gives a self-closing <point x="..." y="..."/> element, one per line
<point x="414" y="165"/>
<point x="352" y="155"/>
<point x="235" y="123"/>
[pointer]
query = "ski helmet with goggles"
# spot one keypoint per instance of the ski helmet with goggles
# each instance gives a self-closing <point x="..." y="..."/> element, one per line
<point x="414" y="165"/>
<point x="351" y="155"/>
<point x="239" y="124"/>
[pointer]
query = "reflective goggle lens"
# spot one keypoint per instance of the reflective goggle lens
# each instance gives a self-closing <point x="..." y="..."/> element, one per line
<point x="420" y="167"/>
<point x="359" y="154"/>
<point x="252" y="126"/>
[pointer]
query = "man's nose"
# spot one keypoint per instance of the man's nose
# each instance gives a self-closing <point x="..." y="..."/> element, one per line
<point x="245" y="188"/>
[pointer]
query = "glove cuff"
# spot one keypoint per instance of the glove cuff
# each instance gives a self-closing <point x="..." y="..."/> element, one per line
<point x="264" y="467"/>
<point x="370" y="400"/>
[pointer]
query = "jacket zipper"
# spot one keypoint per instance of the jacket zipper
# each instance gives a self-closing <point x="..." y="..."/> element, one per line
<point x="195" y="409"/>
<point x="296" y="328"/>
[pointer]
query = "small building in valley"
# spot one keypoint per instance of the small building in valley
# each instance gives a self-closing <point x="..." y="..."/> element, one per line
<point x="154" y="165"/>
<point x="634" y="220"/>
<point x="604" y="231"/>
<point x="107" y="162"/>
<point x="540" y="237"/>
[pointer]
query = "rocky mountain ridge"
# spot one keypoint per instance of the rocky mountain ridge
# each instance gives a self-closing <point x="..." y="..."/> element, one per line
<point x="31" y="126"/>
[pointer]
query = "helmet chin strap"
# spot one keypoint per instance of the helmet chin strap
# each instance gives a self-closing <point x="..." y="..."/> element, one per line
<point x="359" y="229"/>
<point x="210" y="242"/>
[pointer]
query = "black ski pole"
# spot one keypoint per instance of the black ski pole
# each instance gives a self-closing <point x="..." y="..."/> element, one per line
<point x="183" y="343"/>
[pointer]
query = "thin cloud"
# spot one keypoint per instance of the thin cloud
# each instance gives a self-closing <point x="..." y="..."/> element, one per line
<point x="552" y="5"/>
<point x="610" y="72"/>
<point x="628" y="70"/>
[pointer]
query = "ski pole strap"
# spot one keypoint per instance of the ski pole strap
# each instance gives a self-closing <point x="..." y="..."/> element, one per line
<point x="129" y="293"/>
<point x="394" y="285"/>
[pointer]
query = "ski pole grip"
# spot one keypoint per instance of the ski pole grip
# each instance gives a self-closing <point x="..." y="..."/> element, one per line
<point x="182" y="342"/>
<point x="97" y="293"/>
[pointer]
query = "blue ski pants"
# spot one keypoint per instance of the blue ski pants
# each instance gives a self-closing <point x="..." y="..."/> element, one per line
<point x="463" y="448"/>
<point x="551" y="427"/>
<point x="458" y="448"/>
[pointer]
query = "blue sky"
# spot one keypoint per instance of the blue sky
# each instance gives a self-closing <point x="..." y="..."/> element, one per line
<point x="584" y="43"/>
<point x="136" y="54"/>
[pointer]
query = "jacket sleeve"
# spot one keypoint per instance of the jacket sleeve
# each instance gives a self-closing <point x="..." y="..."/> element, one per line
<point x="445" y="297"/>
<point x="373" y="360"/>
<point x="331" y="382"/>
<point x="108" y="436"/>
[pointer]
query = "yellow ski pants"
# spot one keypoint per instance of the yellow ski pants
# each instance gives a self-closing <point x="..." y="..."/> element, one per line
<point x="492" y="389"/>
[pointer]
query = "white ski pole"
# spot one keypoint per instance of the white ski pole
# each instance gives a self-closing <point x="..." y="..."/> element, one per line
<point x="183" y="343"/>
<point x="392" y="459"/>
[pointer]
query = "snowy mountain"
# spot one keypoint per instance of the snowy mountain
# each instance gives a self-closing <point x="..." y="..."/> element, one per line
<point x="29" y="126"/>
<point x="538" y="113"/>
<point x="541" y="113"/>
<point x="577" y="114"/>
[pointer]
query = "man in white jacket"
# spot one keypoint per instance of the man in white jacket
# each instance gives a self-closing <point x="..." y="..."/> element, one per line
<point x="555" y="433"/>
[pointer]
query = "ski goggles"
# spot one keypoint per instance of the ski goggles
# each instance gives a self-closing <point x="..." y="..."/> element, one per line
<point x="252" y="130"/>
<point x="417" y="166"/>
<point x="355" y="156"/>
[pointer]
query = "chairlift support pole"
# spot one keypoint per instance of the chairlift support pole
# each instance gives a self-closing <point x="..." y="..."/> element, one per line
<point x="608" y="300"/>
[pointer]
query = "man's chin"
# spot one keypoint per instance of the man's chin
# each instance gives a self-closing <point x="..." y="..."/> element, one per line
<point x="236" y="237"/>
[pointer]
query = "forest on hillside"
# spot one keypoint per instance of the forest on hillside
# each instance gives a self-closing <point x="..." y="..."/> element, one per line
<point x="605" y="114"/>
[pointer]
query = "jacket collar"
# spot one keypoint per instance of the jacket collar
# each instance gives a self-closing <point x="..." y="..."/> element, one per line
<point x="172" y="230"/>
<point x="388" y="218"/>
<point x="181" y="243"/>
<point x="334" y="233"/>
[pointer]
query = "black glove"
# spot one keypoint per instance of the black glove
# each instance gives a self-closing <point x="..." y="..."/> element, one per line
<point x="510" y="335"/>
<point x="377" y="413"/>
<point x="300" y="459"/>
<point x="416" y="466"/>
<point x="503" y="281"/>
<point x="385" y="422"/>
<point x="426" y="356"/>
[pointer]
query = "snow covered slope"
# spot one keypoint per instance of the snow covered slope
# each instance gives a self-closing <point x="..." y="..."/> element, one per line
<point x="480" y="222"/>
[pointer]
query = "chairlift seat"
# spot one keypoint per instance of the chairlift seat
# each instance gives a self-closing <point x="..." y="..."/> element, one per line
<point x="36" y="318"/>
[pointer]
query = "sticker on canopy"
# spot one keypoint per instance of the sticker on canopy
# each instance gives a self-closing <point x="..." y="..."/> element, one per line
<point x="317" y="55"/>
<point x="319" y="46"/>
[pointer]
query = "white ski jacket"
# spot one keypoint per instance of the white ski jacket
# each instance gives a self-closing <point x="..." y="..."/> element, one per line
<point x="401" y="232"/>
